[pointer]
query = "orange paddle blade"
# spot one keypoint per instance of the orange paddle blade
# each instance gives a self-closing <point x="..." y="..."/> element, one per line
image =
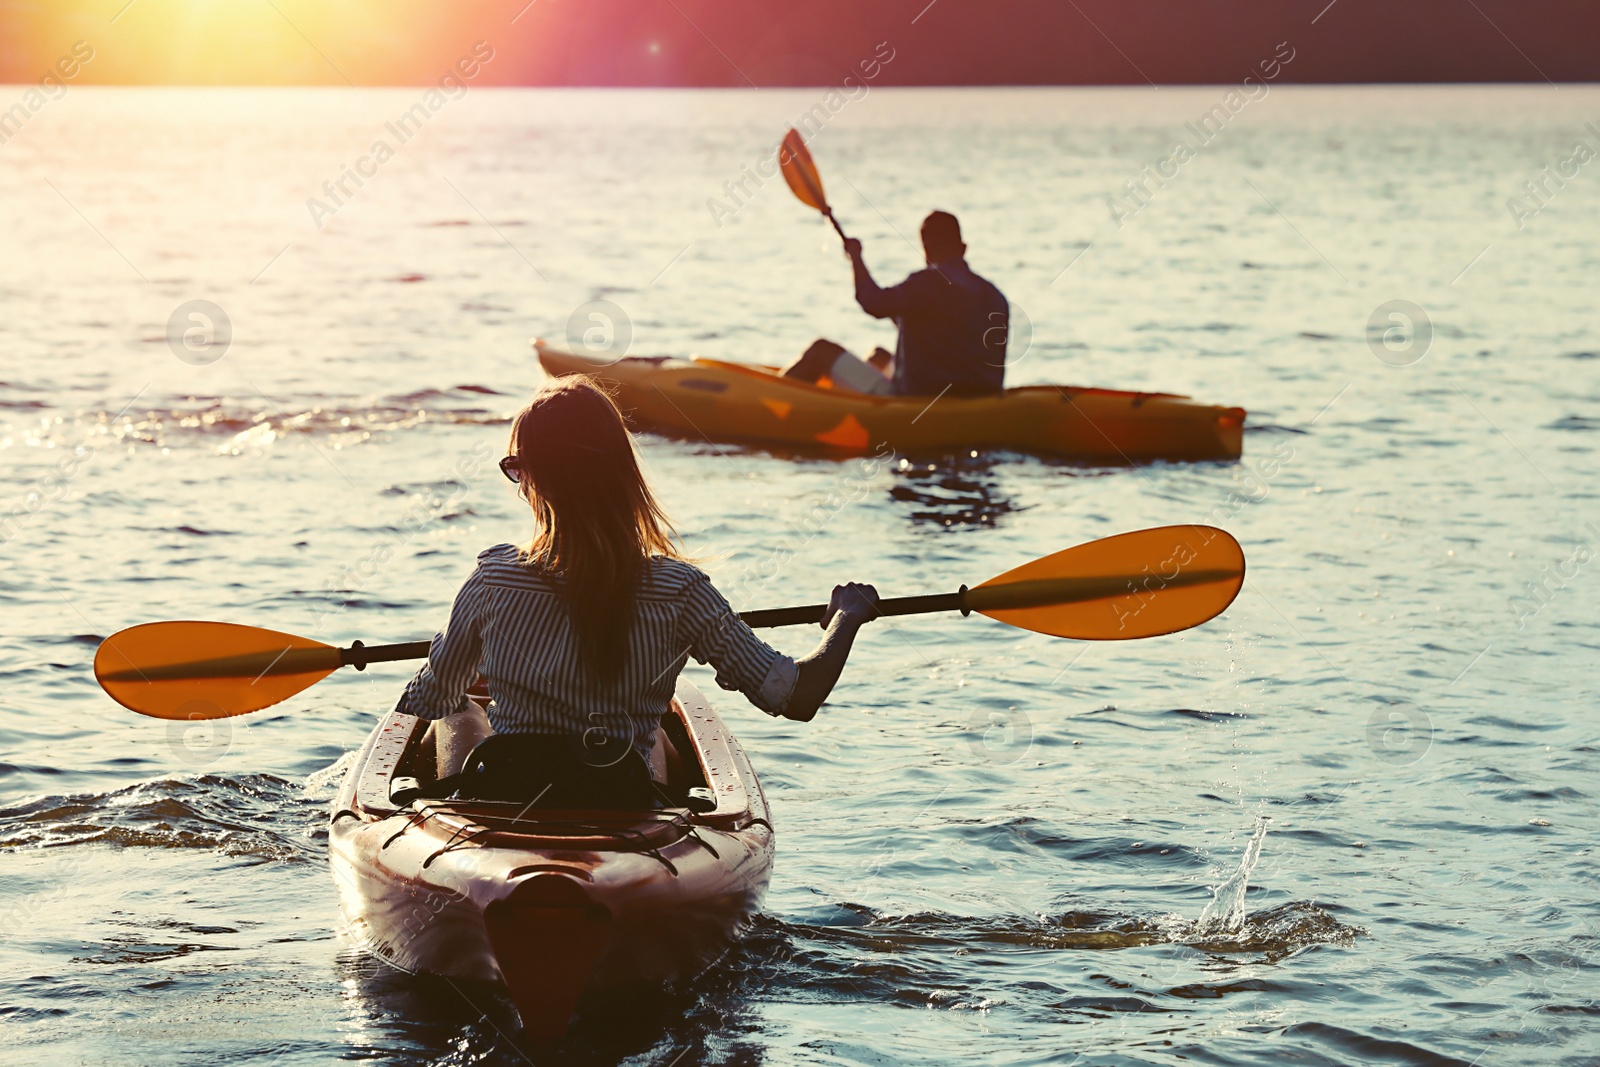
<point x="800" y="171"/>
<point x="1141" y="584"/>
<point x="207" y="670"/>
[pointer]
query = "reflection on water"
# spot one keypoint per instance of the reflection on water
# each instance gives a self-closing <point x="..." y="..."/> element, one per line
<point x="423" y="1019"/>
<point x="955" y="489"/>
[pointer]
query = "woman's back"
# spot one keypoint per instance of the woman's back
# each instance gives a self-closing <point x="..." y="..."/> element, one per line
<point x="513" y="622"/>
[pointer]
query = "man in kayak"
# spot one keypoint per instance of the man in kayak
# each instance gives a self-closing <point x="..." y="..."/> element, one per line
<point x="580" y="633"/>
<point x="952" y="324"/>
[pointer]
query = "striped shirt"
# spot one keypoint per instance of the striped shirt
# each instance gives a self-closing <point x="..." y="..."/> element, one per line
<point x="511" y="624"/>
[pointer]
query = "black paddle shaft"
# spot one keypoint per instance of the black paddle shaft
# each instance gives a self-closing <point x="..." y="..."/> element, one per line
<point x="359" y="655"/>
<point x="836" y="229"/>
<point x="900" y="605"/>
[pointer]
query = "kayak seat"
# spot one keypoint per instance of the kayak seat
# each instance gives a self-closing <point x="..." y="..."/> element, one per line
<point x="550" y="772"/>
<point x="542" y="771"/>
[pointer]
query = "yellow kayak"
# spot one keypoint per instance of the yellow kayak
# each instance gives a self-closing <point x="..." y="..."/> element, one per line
<point x="714" y="400"/>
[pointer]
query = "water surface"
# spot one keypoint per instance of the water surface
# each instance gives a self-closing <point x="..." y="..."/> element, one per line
<point x="1351" y="821"/>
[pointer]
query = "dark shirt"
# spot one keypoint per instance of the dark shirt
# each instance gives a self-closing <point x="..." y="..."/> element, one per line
<point x="952" y="329"/>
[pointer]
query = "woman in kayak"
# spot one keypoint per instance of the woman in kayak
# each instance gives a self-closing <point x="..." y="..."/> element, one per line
<point x="581" y="633"/>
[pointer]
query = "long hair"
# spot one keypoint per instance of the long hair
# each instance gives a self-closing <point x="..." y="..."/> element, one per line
<point x="596" y="522"/>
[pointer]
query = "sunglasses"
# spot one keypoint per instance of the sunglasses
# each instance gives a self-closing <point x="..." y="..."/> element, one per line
<point x="508" y="467"/>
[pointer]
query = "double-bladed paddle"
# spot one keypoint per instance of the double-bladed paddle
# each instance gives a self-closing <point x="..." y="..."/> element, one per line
<point x="1141" y="584"/>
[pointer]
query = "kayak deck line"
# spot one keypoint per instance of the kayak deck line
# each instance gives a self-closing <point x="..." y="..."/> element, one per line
<point x="717" y="400"/>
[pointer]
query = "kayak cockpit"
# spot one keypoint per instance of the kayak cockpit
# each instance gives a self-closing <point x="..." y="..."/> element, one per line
<point x="708" y="767"/>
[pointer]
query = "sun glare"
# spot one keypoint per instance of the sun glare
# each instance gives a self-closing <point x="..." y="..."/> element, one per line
<point x="256" y="42"/>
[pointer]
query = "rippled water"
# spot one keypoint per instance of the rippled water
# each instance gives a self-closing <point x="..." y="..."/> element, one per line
<point x="1352" y="821"/>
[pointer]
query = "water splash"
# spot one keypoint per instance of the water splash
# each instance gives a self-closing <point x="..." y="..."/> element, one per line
<point x="323" y="784"/>
<point x="1225" y="913"/>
